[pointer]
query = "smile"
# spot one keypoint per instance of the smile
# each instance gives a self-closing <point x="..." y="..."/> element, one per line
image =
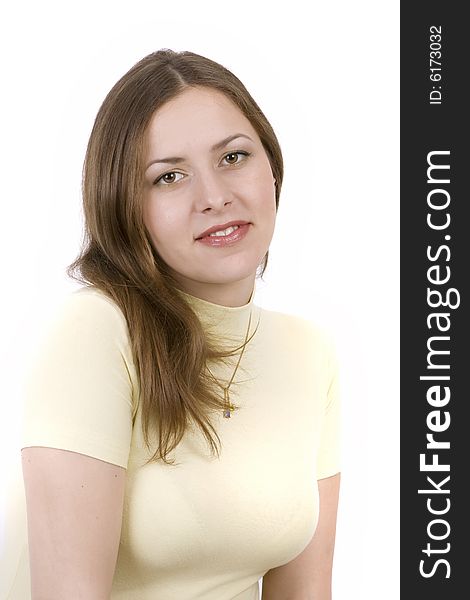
<point x="227" y="237"/>
<point x="225" y="231"/>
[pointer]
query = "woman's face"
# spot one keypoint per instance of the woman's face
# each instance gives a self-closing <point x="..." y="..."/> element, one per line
<point x="205" y="167"/>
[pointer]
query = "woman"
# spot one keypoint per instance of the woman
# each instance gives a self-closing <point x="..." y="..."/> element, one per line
<point x="163" y="349"/>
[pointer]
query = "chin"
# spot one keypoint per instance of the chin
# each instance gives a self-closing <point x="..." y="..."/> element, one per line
<point x="227" y="274"/>
<point x="222" y="271"/>
<point x="225" y="279"/>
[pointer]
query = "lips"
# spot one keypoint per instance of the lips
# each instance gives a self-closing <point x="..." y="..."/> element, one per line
<point x="226" y="241"/>
<point x="220" y="228"/>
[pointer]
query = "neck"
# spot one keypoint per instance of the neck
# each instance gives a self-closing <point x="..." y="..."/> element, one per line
<point x="234" y="294"/>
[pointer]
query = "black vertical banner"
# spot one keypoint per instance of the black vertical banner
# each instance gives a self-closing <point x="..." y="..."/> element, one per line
<point x="435" y="257"/>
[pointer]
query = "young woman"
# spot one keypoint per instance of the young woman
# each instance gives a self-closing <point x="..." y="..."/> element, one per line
<point x="179" y="441"/>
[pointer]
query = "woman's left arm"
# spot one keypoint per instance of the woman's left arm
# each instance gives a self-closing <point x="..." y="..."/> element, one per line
<point x="308" y="575"/>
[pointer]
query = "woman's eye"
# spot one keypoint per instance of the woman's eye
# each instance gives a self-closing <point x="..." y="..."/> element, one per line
<point x="233" y="157"/>
<point x="168" y="178"/>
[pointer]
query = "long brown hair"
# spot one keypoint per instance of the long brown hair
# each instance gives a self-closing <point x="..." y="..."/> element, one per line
<point x="170" y="347"/>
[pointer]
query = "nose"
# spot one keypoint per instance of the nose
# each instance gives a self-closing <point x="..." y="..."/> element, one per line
<point x="212" y="192"/>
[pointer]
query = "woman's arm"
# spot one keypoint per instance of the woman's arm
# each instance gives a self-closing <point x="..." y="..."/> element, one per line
<point x="308" y="575"/>
<point x="74" y="507"/>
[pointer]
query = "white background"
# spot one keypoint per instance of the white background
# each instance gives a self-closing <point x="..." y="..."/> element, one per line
<point x="326" y="76"/>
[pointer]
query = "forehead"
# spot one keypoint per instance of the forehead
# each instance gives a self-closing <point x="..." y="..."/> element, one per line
<point x="197" y="114"/>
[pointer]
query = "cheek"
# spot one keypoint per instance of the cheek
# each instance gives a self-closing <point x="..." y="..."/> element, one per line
<point x="266" y="193"/>
<point x="161" y="220"/>
<point x="265" y="180"/>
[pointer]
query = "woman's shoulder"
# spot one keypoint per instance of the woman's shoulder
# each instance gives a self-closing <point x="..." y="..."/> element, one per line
<point x="89" y="302"/>
<point x="91" y="296"/>
<point x="86" y="313"/>
<point x="303" y="336"/>
<point x="295" y="323"/>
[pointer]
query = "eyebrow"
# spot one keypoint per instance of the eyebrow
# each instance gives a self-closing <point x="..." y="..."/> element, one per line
<point x="218" y="146"/>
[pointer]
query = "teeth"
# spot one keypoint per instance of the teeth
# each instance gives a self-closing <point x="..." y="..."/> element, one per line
<point x="227" y="231"/>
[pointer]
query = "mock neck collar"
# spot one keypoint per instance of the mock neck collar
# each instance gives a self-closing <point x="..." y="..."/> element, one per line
<point x="231" y="321"/>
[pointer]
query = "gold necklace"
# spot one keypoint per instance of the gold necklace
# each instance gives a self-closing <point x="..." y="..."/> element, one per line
<point x="228" y="408"/>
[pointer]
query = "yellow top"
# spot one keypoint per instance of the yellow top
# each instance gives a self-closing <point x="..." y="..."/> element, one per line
<point x="205" y="528"/>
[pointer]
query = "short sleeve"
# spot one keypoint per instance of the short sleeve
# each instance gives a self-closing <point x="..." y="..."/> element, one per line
<point x="78" y="392"/>
<point x="329" y="450"/>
